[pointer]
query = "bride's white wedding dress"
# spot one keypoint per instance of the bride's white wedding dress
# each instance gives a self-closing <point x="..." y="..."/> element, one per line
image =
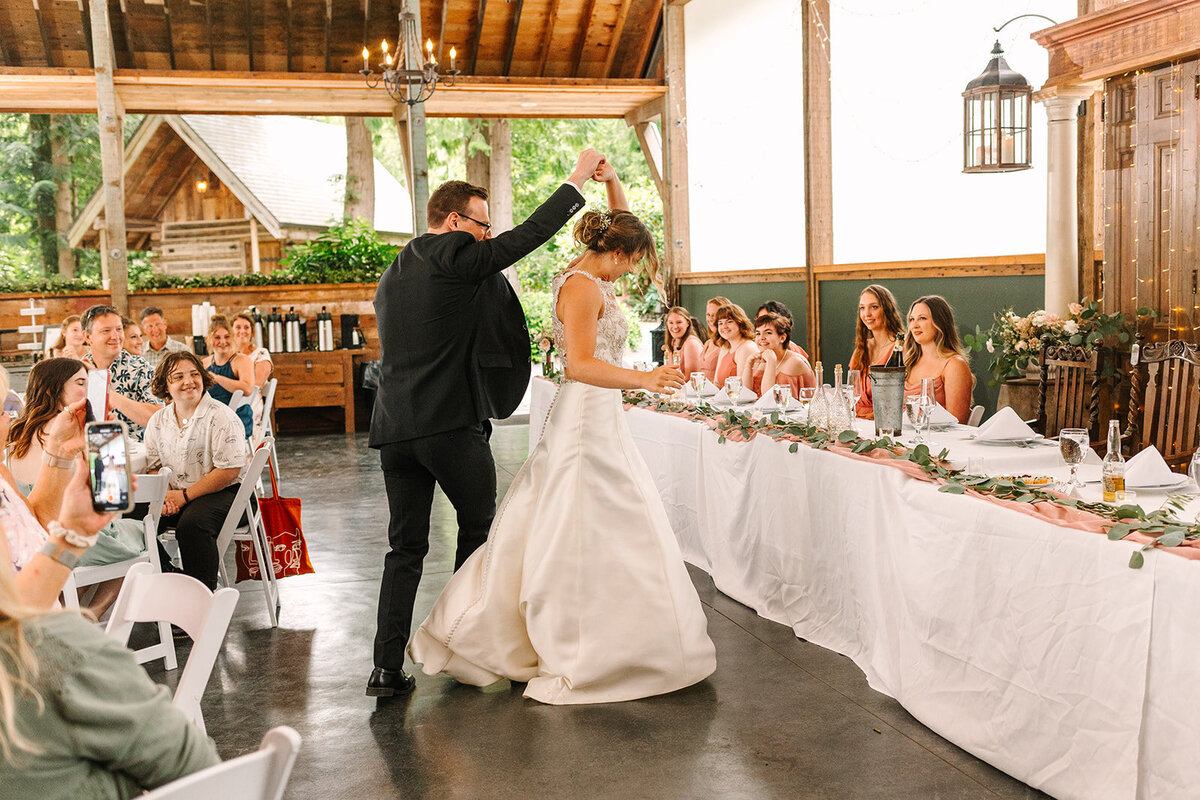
<point x="581" y="590"/>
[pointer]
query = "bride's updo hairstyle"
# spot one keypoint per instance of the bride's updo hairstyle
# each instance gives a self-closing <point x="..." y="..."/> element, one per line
<point x="621" y="232"/>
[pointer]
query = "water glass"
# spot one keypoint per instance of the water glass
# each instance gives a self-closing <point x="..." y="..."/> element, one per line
<point x="1072" y="446"/>
<point x="733" y="388"/>
<point x="805" y="397"/>
<point x="697" y="379"/>
<point x="782" y="395"/>
<point x="917" y="407"/>
<point x="853" y="390"/>
<point x="975" y="466"/>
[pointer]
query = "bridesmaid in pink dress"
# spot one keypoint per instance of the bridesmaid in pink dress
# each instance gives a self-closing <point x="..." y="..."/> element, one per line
<point x="875" y="334"/>
<point x="933" y="349"/>
<point x="776" y="364"/>
<point x="682" y="348"/>
<point x="712" y="340"/>
<point x="737" y="344"/>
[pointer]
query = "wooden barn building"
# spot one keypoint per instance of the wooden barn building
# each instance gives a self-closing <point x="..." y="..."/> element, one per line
<point x="226" y="194"/>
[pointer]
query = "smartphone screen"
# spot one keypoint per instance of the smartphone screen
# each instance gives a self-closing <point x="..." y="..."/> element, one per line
<point x="108" y="466"/>
<point x="97" y="394"/>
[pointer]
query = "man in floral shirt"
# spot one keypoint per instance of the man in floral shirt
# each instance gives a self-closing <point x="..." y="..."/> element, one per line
<point x="129" y="393"/>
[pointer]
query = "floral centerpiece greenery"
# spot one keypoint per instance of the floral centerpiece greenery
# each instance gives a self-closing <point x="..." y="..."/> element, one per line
<point x="1015" y="342"/>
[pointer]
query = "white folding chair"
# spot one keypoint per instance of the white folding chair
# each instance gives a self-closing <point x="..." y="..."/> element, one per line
<point x="151" y="489"/>
<point x="268" y="423"/>
<point x="243" y="523"/>
<point x="149" y="596"/>
<point x="976" y="416"/>
<point x="261" y="775"/>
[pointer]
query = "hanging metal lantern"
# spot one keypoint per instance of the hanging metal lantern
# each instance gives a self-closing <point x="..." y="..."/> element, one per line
<point x="996" y="111"/>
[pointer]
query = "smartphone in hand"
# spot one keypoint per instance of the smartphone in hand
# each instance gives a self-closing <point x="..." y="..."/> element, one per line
<point x="110" y="474"/>
<point x="97" y="395"/>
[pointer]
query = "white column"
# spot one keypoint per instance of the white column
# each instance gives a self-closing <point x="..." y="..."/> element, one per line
<point x="1062" y="211"/>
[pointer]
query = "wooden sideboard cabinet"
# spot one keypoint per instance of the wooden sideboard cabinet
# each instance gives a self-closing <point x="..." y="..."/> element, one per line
<point x="315" y="379"/>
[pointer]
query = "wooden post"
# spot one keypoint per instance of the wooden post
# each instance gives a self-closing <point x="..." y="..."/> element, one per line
<point x="418" y="153"/>
<point x="1085" y="187"/>
<point x="818" y="161"/>
<point x="359" y="200"/>
<point x="500" y="190"/>
<point x="677" y="246"/>
<point x="113" y="257"/>
<point x="60" y="160"/>
<point x="652" y="149"/>
<point x="255" y="257"/>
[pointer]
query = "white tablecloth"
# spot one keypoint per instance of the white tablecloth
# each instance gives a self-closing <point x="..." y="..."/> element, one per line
<point x="1032" y="646"/>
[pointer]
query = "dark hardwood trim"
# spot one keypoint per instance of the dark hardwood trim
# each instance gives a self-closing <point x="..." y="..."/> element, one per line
<point x="983" y="266"/>
<point x="511" y="47"/>
<point x="478" y="38"/>
<point x="654" y="59"/>
<point x="41" y="21"/>
<point x="170" y="39"/>
<point x="586" y="28"/>
<point x="615" y="41"/>
<point x="547" y="38"/>
<point x="249" y="33"/>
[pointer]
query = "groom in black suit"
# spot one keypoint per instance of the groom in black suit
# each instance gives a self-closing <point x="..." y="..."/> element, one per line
<point x="455" y="353"/>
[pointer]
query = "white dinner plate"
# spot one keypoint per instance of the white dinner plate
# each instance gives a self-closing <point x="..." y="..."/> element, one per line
<point x="1178" y="484"/>
<point x="1017" y="442"/>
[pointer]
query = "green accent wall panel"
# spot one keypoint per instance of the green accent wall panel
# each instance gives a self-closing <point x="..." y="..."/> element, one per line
<point x="750" y="296"/>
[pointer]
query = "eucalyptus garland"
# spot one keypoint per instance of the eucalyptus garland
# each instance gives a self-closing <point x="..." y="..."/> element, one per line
<point x="1162" y="524"/>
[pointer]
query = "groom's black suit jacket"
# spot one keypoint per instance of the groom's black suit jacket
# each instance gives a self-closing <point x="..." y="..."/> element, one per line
<point x="455" y="349"/>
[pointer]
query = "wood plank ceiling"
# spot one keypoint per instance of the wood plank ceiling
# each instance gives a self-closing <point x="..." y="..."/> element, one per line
<point x="592" y="39"/>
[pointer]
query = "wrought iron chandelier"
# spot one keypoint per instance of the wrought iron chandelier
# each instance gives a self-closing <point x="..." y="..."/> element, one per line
<point x="405" y="83"/>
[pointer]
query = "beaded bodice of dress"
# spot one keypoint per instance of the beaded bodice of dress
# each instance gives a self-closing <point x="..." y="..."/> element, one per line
<point x="611" y="328"/>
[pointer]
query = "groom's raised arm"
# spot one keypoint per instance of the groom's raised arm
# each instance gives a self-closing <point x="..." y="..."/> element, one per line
<point x="473" y="261"/>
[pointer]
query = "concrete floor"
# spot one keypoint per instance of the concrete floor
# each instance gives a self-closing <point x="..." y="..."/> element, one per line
<point x="780" y="718"/>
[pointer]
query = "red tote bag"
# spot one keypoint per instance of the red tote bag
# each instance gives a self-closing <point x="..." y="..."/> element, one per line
<point x="285" y="538"/>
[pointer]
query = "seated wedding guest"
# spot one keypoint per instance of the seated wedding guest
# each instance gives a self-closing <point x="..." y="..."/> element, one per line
<point x="133" y="337"/>
<point x="70" y="342"/>
<point x="712" y="340"/>
<point x="737" y="344"/>
<point x="54" y="385"/>
<point x="79" y="717"/>
<point x="776" y="363"/>
<point x="776" y="307"/>
<point x="933" y="349"/>
<point x="683" y="348"/>
<point x="260" y="359"/>
<point x="204" y="444"/>
<point x="129" y="396"/>
<point x="230" y="371"/>
<point x="874" y="337"/>
<point x="157" y="344"/>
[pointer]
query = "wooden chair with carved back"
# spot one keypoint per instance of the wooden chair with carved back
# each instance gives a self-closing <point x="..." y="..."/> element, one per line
<point x="1069" y="391"/>
<point x="1164" y="411"/>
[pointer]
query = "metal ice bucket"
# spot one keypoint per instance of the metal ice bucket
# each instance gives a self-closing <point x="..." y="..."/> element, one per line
<point x="887" y="397"/>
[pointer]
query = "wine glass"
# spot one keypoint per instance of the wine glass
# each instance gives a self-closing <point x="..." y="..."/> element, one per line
<point x="917" y="406"/>
<point x="805" y="397"/>
<point x="1072" y="446"/>
<point x="733" y="388"/>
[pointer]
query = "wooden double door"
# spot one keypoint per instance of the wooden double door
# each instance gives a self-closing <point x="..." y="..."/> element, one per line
<point x="1151" y="142"/>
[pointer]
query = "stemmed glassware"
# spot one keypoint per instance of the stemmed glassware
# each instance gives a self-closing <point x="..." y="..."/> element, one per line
<point x="917" y="407"/>
<point x="853" y="391"/>
<point x="1072" y="446"/>
<point x="805" y="397"/>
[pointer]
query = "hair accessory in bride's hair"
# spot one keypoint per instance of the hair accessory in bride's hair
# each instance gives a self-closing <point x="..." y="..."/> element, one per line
<point x="606" y="218"/>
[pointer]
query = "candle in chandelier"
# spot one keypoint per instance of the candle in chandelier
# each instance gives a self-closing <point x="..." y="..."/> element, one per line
<point x="452" y="59"/>
<point x="384" y="45"/>
<point x="387" y="59"/>
<point x="429" y="51"/>
<point x="366" y="54"/>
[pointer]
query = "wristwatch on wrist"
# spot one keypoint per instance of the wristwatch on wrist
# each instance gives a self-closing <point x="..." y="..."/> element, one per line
<point x="185" y="497"/>
<point x="55" y="461"/>
<point x="59" y="553"/>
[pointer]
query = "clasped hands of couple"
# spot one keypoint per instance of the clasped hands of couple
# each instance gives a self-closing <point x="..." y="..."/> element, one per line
<point x="593" y="165"/>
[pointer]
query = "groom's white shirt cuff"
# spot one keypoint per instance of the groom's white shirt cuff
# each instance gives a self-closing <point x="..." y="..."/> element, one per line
<point x="574" y="186"/>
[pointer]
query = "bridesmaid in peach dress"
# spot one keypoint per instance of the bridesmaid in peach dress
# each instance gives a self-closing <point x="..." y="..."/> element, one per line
<point x="933" y="349"/>
<point x="712" y="340"/>
<point x="875" y="334"/>
<point x="683" y="348"/>
<point x="737" y="344"/>
<point x="777" y="364"/>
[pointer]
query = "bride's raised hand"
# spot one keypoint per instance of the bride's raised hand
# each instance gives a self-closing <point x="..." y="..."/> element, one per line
<point x="662" y="379"/>
<point x="604" y="172"/>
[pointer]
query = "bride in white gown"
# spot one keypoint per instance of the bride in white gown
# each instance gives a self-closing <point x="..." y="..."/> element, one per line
<point x="581" y="590"/>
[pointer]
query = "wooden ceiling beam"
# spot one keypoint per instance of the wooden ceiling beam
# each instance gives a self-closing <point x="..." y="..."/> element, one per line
<point x="511" y="47"/>
<point x="585" y="28"/>
<point x="288" y="35"/>
<point x="41" y="21"/>
<point x="73" y="91"/>
<point x="170" y="39"/>
<point x="615" y="41"/>
<point x="656" y="53"/>
<point x="547" y="37"/>
<point x="129" y="48"/>
<point x="478" y="38"/>
<point x="249" y="33"/>
<point x="5" y="54"/>
<point x="212" y="53"/>
<point x="85" y="18"/>
<point x="328" y="34"/>
<point x="442" y="32"/>
<point x="642" y="55"/>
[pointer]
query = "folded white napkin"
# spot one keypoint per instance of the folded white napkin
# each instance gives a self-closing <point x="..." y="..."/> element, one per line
<point x="1147" y="468"/>
<point x="709" y="389"/>
<point x="938" y="415"/>
<point x="1004" y="424"/>
<point x="747" y="395"/>
<point x="767" y="402"/>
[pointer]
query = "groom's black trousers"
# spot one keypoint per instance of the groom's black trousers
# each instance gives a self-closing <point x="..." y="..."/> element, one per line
<point x="460" y="461"/>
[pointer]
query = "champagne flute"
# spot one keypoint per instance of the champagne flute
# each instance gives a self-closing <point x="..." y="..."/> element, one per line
<point x="917" y="406"/>
<point x="1072" y="446"/>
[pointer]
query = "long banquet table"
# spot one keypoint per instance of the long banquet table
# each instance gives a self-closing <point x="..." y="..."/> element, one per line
<point x="1031" y="645"/>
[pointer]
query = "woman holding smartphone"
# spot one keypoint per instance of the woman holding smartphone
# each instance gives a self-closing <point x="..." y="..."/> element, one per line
<point x="204" y="444"/>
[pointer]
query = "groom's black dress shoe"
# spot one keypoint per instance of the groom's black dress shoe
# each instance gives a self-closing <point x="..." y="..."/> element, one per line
<point x="389" y="682"/>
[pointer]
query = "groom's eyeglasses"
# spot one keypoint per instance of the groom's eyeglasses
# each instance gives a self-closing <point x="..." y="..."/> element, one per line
<point x="487" y="226"/>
